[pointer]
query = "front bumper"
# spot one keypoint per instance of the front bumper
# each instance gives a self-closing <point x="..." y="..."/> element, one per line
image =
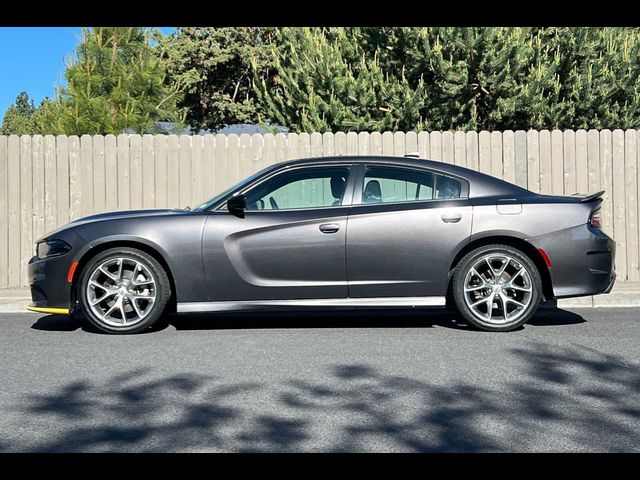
<point x="582" y="261"/>
<point x="50" y="291"/>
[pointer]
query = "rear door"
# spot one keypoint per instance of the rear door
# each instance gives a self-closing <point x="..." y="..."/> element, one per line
<point x="404" y="227"/>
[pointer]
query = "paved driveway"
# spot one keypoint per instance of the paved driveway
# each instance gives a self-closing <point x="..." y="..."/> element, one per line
<point x="301" y="382"/>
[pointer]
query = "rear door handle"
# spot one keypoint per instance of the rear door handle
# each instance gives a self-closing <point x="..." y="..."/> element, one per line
<point x="451" y="217"/>
<point x="329" y="227"/>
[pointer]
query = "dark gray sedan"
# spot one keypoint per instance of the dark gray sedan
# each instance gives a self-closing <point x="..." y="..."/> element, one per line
<point x="343" y="232"/>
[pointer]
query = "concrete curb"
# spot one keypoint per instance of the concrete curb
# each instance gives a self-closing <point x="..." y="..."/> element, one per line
<point x="624" y="295"/>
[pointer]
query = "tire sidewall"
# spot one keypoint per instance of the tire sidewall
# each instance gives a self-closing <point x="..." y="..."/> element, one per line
<point x="460" y="275"/>
<point x="159" y="275"/>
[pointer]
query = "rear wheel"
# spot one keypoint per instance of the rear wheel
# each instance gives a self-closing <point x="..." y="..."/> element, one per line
<point x="497" y="288"/>
<point x="123" y="290"/>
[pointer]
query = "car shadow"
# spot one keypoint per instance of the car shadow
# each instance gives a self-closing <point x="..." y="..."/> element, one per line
<point x="392" y="318"/>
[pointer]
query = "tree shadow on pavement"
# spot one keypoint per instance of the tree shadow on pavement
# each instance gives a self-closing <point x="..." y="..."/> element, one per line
<point x="560" y="398"/>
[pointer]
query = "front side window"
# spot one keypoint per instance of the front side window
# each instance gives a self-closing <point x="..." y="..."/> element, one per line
<point x="301" y="188"/>
<point x="388" y="185"/>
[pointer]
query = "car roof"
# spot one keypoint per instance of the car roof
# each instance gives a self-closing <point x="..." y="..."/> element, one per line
<point x="480" y="184"/>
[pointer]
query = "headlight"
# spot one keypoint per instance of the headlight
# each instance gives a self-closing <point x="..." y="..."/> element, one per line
<point x="52" y="248"/>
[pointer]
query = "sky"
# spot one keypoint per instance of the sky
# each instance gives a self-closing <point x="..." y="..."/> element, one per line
<point x="32" y="59"/>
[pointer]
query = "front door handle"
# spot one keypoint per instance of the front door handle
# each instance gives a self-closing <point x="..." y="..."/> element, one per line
<point x="329" y="227"/>
<point x="451" y="217"/>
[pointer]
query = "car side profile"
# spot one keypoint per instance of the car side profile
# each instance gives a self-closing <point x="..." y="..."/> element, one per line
<point x="337" y="232"/>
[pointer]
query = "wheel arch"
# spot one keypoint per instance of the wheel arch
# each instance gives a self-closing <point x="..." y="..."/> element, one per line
<point x="151" y="250"/>
<point x="521" y="244"/>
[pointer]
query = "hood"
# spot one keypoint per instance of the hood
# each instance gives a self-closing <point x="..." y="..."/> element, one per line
<point x="101" y="217"/>
<point x="128" y="214"/>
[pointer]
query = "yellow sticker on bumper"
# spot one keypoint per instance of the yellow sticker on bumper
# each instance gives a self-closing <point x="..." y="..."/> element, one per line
<point x="60" y="311"/>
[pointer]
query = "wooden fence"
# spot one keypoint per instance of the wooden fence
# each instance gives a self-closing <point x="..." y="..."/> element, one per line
<point x="47" y="181"/>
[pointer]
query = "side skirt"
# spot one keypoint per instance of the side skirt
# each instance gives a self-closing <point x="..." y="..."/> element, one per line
<point x="379" y="302"/>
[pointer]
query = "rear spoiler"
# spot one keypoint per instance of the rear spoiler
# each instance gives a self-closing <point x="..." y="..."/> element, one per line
<point x="589" y="197"/>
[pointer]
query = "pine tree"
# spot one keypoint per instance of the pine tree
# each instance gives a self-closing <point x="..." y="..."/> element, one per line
<point x="116" y="83"/>
<point x="18" y="119"/>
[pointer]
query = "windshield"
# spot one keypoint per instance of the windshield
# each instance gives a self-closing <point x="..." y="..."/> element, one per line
<point x="238" y="186"/>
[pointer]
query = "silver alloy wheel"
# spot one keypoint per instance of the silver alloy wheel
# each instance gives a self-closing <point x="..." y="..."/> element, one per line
<point x="498" y="289"/>
<point x="121" y="292"/>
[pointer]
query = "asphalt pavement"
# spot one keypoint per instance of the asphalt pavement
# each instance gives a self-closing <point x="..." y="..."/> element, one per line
<point x="372" y="382"/>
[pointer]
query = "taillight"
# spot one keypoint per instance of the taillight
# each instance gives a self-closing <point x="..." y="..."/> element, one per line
<point x="595" y="220"/>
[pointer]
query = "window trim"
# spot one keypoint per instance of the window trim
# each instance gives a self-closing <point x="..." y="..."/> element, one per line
<point x="359" y="187"/>
<point x="347" y="197"/>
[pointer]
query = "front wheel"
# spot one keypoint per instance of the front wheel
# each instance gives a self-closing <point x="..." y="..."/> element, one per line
<point x="123" y="290"/>
<point x="497" y="288"/>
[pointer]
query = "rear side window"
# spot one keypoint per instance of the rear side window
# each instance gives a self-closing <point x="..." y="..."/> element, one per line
<point x="388" y="185"/>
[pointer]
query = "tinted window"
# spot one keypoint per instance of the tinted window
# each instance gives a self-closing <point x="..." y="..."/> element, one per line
<point x="304" y="188"/>
<point x="385" y="185"/>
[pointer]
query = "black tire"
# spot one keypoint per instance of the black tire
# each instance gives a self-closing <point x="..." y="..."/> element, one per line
<point x="458" y="283"/>
<point x="162" y="290"/>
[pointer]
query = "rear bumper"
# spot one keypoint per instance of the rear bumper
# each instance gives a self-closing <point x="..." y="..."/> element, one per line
<point x="582" y="261"/>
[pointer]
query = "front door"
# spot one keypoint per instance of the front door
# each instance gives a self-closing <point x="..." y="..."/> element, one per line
<point x="289" y="245"/>
<point x="403" y="230"/>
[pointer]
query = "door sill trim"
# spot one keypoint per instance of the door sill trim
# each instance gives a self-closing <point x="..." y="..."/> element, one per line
<point x="192" y="307"/>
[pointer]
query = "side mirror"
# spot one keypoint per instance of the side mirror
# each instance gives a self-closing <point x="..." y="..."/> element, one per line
<point x="236" y="205"/>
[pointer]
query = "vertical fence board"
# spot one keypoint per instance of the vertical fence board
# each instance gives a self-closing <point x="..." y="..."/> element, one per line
<point x="86" y="166"/>
<point x="184" y="171"/>
<point x="411" y="142"/>
<point x="546" y="183"/>
<point x="459" y="149"/>
<point x="220" y="180"/>
<point x="208" y="166"/>
<point x="582" y="169"/>
<point x="435" y="145"/>
<point x="533" y="161"/>
<point x="593" y="161"/>
<point x="161" y="175"/>
<point x="424" y="148"/>
<point x="257" y="152"/>
<point x="14" y="175"/>
<point x="148" y="172"/>
<point x="363" y="143"/>
<point x="4" y="211"/>
<point x="606" y="180"/>
<point x="111" y="172"/>
<point x="557" y="172"/>
<point x="447" y="146"/>
<point x="316" y="144"/>
<point x="520" y="158"/>
<point x="328" y="144"/>
<point x="38" y="189"/>
<point x="197" y="177"/>
<point x="269" y="150"/>
<point x="619" y="230"/>
<point x="375" y="143"/>
<point x="387" y="143"/>
<point x="26" y="216"/>
<point x="124" y="180"/>
<point x="245" y="166"/>
<point x="62" y="178"/>
<point x="484" y="152"/>
<point x="75" y="178"/>
<point x="496" y="154"/>
<point x="233" y="159"/>
<point x="399" y="144"/>
<point x="340" y="143"/>
<point x="352" y="143"/>
<point x="508" y="155"/>
<point x="292" y="146"/>
<point x="569" y="153"/>
<point x="473" y="159"/>
<point x="50" y="184"/>
<point x="631" y="199"/>
<point x="135" y="170"/>
<point x="281" y="147"/>
<point x="99" y="168"/>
